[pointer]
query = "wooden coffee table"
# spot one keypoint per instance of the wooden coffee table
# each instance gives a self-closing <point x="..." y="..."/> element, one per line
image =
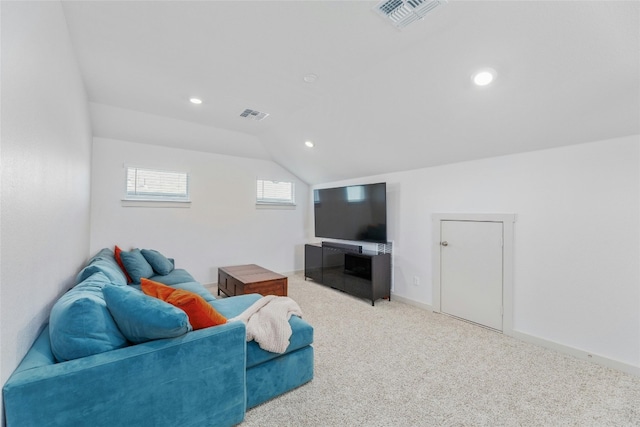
<point x="249" y="279"/>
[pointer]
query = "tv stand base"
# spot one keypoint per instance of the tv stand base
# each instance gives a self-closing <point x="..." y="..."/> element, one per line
<point x="349" y="269"/>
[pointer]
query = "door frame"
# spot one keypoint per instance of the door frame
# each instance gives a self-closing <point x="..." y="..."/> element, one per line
<point x="507" y="221"/>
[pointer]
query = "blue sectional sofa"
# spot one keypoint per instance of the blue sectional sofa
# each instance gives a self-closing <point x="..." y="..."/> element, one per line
<point x="206" y="377"/>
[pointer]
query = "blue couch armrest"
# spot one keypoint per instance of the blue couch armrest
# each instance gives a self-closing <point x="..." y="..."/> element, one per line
<point x="197" y="379"/>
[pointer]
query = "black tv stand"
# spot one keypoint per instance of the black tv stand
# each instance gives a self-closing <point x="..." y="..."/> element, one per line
<point x="348" y="268"/>
<point x="343" y="246"/>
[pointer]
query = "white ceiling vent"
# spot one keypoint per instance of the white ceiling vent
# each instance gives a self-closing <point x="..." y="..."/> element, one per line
<point x="254" y="115"/>
<point x="403" y="12"/>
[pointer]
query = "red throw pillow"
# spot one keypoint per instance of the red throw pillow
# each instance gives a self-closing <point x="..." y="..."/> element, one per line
<point x="119" y="261"/>
<point x="201" y="313"/>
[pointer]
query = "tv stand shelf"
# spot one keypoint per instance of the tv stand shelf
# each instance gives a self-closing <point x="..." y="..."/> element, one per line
<point x="347" y="268"/>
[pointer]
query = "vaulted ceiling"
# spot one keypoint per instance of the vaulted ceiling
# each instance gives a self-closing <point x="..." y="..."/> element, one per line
<point x="385" y="99"/>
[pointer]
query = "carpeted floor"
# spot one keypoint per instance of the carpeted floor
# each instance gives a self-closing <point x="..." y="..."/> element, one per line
<point x="397" y="365"/>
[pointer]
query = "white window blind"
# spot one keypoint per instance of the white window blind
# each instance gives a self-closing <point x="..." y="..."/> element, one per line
<point x="275" y="192"/>
<point x="157" y="185"/>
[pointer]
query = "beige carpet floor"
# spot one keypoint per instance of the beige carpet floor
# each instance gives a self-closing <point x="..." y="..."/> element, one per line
<point x="398" y="365"/>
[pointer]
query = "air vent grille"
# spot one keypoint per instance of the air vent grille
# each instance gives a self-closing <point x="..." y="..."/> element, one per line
<point x="403" y="12"/>
<point x="253" y="115"/>
<point x="389" y="6"/>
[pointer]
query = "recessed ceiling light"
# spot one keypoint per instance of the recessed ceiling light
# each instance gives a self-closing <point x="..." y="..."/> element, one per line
<point x="195" y="100"/>
<point x="484" y="77"/>
<point x="310" y="78"/>
<point x="309" y="144"/>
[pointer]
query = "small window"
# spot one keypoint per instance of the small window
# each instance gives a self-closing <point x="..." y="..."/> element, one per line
<point x="157" y="185"/>
<point x="275" y="193"/>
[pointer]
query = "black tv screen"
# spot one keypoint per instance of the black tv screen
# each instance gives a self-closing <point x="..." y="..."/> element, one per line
<point x="356" y="212"/>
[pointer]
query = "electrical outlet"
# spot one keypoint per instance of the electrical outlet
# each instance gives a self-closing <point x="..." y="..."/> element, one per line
<point x="416" y="281"/>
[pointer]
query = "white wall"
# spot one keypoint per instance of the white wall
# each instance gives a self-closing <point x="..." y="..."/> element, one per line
<point x="222" y="226"/>
<point x="46" y="155"/>
<point x="577" y="237"/>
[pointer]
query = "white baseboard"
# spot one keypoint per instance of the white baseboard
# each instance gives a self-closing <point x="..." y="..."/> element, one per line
<point x="293" y="273"/>
<point x="575" y="352"/>
<point x="408" y="301"/>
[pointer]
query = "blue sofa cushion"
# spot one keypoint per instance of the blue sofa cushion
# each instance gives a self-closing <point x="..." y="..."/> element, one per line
<point x="233" y="306"/>
<point x="136" y="265"/>
<point x="80" y="323"/>
<point x="105" y="262"/>
<point x="177" y="276"/>
<point x="143" y="318"/>
<point x="302" y="332"/>
<point x="158" y="262"/>
<point x="196" y="288"/>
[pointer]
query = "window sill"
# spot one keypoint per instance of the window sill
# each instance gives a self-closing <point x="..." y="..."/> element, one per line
<point x="126" y="203"/>
<point x="285" y="206"/>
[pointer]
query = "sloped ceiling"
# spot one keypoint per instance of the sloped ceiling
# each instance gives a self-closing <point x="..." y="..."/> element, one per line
<point x="385" y="100"/>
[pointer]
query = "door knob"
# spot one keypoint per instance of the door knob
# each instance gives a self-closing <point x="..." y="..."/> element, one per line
<point x="445" y="243"/>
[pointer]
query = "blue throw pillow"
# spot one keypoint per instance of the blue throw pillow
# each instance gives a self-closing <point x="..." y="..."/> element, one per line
<point x="136" y="265"/>
<point x="80" y="323"/>
<point x="158" y="262"/>
<point x="143" y="318"/>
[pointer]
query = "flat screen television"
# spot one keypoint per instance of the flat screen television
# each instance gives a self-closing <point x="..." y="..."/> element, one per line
<point x="356" y="212"/>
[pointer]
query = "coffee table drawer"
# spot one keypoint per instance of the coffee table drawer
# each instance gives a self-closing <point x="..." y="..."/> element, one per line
<point x="271" y="287"/>
<point x="229" y="285"/>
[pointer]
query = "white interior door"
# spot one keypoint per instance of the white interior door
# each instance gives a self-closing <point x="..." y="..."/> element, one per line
<point x="471" y="271"/>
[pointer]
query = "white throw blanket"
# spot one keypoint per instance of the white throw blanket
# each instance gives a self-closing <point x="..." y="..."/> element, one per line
<point x="267" y="322"/>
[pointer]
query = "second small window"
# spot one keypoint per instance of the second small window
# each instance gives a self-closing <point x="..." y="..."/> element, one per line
<point x="275" y="192"/>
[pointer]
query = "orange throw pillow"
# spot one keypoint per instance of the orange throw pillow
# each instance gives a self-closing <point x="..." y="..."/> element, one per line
<point x="201" y="314"/>
<point x="119" y="261"/>
<point x="156" y="289"/>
